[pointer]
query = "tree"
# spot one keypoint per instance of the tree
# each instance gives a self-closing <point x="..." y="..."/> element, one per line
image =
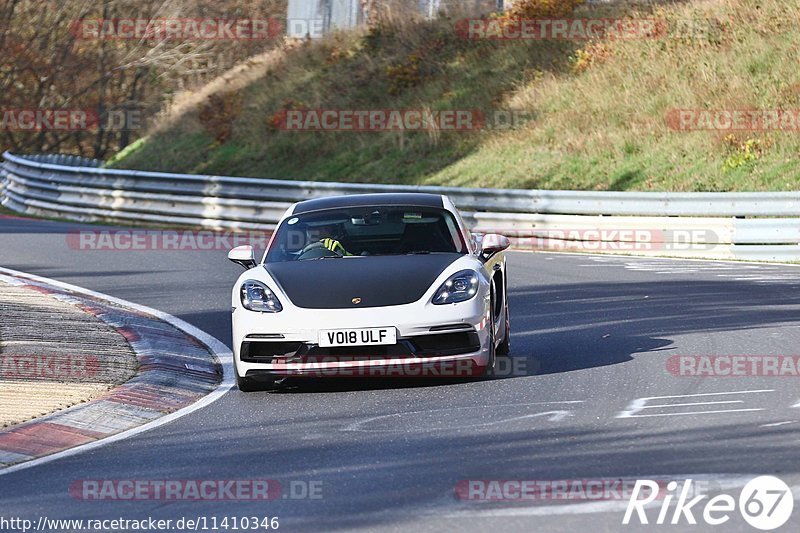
<point x="51" y="61"/>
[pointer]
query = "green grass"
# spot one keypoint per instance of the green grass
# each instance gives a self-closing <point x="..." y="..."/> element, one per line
<point x="600" y="127"/>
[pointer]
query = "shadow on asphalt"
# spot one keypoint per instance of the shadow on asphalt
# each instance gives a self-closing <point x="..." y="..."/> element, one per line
<point x="573" y="326"/>
<point x="382" y="480"/>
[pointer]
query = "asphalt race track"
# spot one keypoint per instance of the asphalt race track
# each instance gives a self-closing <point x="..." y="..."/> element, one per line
<point x="593" y="333"/>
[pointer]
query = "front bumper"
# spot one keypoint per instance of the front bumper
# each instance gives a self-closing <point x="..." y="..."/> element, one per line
<point x="442" y="341"/>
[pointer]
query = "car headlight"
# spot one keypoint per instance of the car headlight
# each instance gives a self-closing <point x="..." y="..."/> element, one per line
<point x="459" y="287"/>
<point x="258" y="297"/>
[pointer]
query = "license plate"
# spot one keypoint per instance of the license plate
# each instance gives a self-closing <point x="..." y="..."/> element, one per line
<point x="357" y="337"/>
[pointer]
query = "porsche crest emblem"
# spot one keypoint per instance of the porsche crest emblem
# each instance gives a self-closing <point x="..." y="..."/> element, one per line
<point x="356" y="300"/>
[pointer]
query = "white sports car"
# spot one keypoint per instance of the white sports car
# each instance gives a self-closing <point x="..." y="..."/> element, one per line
<point x="383" y="285"/>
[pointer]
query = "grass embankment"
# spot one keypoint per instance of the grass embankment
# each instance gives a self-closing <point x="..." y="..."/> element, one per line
<point x="597" y="110"/>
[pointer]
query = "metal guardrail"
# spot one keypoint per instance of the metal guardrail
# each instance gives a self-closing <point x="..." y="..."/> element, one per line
<point x="720" y="225"/>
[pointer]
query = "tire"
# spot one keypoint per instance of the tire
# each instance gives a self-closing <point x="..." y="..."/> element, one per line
<point x="488" y="370"/>
<point x="504" y="348"/>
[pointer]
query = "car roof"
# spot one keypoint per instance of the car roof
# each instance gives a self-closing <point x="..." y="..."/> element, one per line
<point x="368" y="200"/>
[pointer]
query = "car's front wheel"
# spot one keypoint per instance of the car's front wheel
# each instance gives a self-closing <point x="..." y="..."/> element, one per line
<point x="504" y="348"/>
<point x="488" y="370"/>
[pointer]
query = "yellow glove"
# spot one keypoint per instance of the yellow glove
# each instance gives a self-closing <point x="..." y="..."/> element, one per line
<point x="334" y="246"/>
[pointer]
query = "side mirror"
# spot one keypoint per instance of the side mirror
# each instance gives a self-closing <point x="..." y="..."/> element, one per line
<point x="244" y="256"/>
<point x="493" y="243"/>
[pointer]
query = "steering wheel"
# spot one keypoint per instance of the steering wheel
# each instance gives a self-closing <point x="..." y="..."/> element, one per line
<point x="316" y="249"/>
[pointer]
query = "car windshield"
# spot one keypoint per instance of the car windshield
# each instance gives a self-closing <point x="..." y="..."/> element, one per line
<point x="366" y="231"/>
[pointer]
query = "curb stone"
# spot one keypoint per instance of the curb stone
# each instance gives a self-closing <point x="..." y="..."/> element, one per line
<point x="175" y="371"/>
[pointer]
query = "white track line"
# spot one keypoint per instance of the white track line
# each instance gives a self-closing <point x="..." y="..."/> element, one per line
<point x="220" y="351"/>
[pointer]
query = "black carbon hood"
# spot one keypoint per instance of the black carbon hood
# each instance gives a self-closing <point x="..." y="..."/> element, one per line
<point x="378" y="281"/>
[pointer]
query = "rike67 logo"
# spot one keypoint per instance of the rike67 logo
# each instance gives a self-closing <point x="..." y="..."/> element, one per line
<point x="766" y="503"/>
